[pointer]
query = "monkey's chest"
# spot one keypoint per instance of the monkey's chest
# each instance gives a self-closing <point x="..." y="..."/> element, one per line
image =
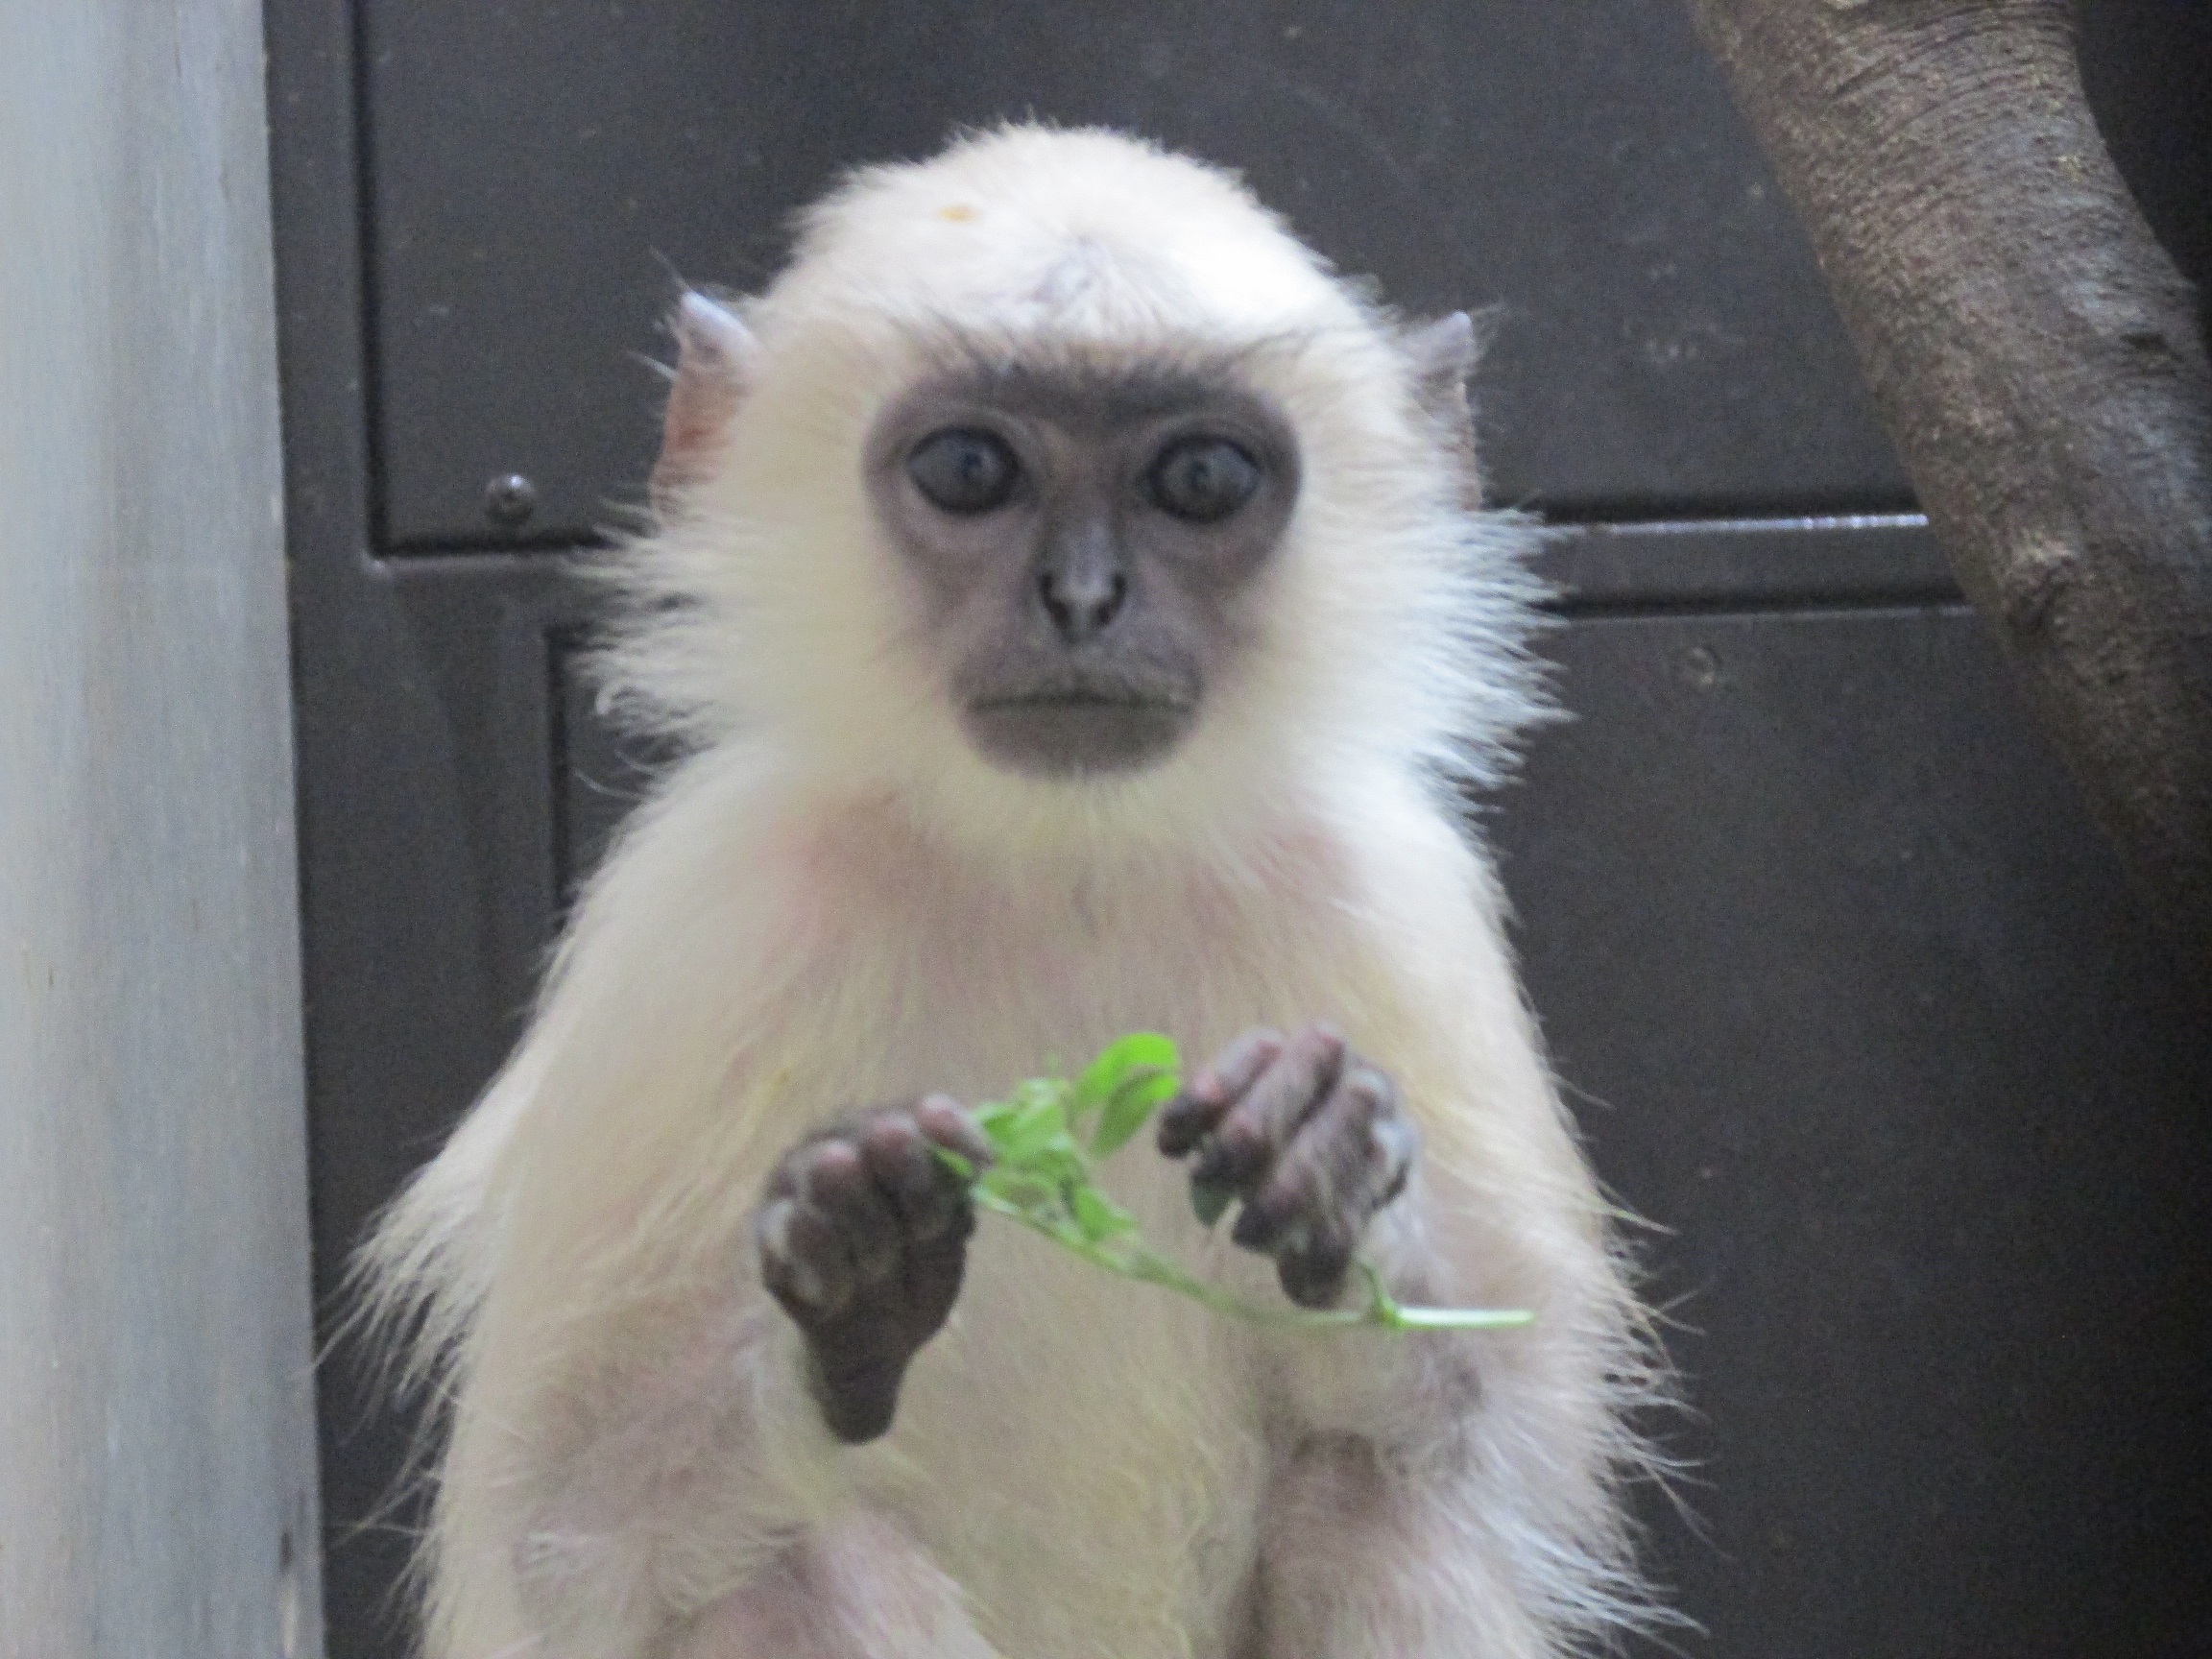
<point x="1082" y="1455"/>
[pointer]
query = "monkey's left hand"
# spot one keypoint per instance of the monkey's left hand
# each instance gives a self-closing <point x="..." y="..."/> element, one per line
<point x="1309" y="1135"/>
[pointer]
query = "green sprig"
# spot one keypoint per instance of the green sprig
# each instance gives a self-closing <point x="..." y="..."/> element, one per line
<point x="1043" y="1137"/>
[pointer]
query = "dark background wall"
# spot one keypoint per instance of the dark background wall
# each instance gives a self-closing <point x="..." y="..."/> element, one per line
<point x="1850" y="999"/>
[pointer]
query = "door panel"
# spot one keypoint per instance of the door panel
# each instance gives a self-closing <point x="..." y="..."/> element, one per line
<point x="1855" y="1010"/>
<point x="539" y="172"/>
<point x="1850" y="999"/>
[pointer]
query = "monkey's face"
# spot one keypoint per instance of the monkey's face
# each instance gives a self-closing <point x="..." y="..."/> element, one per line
<point x="1085" y="540"/>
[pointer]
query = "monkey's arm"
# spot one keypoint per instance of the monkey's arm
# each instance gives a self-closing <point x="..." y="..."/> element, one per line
<point x="632" y="1439"/>
<point x="1410" y="1511"/>
<point x="1450" y="1493"/>
<point x="615" y="1467"/>
<point x="680" y="1486"/>
<point x="1434" y="1493"/>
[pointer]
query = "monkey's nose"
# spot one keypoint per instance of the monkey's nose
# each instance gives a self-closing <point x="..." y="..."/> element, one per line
<point x="1083" y="602"/>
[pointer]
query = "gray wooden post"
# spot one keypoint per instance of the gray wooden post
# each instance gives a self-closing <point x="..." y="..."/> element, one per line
<point x="157" y="1443"/>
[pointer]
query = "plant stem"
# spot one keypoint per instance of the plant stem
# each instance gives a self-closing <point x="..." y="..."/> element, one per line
<point x="1145" y="1266"/>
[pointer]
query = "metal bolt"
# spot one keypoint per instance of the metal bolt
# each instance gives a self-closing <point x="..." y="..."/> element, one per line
<point x="1702" y="667"/>
<point x="510" y="500"/>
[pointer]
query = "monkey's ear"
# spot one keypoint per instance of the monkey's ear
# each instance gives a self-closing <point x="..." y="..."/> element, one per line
<point x="1443" y="355"/>
<point x="715" y="356"/>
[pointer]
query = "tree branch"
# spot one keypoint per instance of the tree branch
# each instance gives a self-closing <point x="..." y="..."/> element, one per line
<point x="2034" y="356"/>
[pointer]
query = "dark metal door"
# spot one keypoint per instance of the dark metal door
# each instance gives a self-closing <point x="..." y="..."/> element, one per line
<point x="1848" y="995"/>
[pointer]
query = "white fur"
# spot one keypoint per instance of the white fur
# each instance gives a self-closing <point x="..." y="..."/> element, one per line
<point x="835" y="902"/>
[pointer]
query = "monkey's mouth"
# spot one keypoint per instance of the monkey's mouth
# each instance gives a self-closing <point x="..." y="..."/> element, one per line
<point x="1084" y="698"/>
<point x="1074" y="731"/>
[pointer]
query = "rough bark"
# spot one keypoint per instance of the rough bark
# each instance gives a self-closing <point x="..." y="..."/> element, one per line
<point x="2034" y="356"/>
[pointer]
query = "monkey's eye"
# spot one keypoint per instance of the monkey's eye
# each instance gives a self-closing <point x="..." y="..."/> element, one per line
<point x="963" y="470"/>
<point x="1203" y="479"/>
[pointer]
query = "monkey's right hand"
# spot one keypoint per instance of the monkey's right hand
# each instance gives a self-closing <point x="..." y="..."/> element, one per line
<point x="863" y="1236"/>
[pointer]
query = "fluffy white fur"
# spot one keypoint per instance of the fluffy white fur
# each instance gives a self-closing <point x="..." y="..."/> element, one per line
<point x="833" y="902"/>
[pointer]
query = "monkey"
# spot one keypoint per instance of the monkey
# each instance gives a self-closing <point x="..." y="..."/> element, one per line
<point x="1074" y="610"/>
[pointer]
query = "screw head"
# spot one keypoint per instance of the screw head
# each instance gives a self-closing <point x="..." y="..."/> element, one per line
<point x="509" y="500"/>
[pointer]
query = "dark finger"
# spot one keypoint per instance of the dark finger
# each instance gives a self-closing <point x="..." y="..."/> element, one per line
<point x="1243" y="1146"/>
<point x="1377" y="1141"/>
<point x="1399" y="1140"/>
<point x="1335" y="1165"/>
<point x="944" y="1120"/>
<point x="803" y="1260"/>
<point x="1351" y="1158"/>
<point x="922" y="1192"/>
<point x="839" y="1187"/>
<point x="791" y="1170"/>
<point x="1313" y="1270"/>
<point x="1189" y="1118"/>
<point x="772" y="1237"/>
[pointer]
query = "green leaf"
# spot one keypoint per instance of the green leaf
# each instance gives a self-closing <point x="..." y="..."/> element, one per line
<point x="1132" y="1104"/>
<point x="1040" y="1179"/>
<point x="1033" y="1125"/>
<point x="1040" y="1089"/>
<point x="1139" y="1052"/>
<point x="1058" y="1161"/>
<point x="1021" y="1190"/>
<point x="1208" y="1202"/>
<point x="1100" y="1216"/>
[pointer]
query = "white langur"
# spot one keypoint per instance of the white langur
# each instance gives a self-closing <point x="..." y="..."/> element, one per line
<point x="1077" y="612"/>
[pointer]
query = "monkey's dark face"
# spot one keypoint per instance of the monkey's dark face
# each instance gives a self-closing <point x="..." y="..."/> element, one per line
<point x="1084" y="537"/>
